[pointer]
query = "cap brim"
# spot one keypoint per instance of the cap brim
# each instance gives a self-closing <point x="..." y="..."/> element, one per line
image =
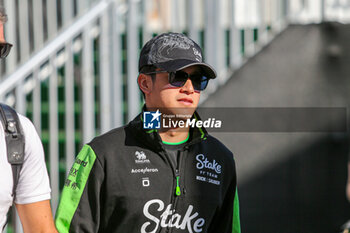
<point x="175" y="65"/>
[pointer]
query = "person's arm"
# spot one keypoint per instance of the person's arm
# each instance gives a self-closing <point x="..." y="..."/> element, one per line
<point x="348" y="183"/>
<point x="36" y="217"/>
<point x="79" y="208"/>
<point x="227" y="219"/>
<point x="236" y="222"/>
<point x="33" y="190"/>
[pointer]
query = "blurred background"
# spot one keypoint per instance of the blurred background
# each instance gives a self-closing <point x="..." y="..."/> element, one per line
<point x="73" y="71"/>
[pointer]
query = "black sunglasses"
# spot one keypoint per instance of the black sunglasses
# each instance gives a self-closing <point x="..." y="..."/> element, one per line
<point x="5" y="49"/>
<point x="179" y="78"/>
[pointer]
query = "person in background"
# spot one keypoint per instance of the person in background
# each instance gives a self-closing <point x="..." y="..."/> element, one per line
<point x="33" y="193"/>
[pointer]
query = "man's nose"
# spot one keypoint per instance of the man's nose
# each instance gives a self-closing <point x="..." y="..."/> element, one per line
<point x="188" y="86"/>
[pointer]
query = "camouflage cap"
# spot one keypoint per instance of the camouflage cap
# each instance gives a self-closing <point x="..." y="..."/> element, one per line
<point x="173" y="52"/>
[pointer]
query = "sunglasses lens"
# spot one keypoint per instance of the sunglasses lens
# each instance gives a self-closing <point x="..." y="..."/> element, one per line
<point x="179" y="78"/>
<point x="203" y="83"/>
<point x="5" y="50"/>
<point x="199" y="82"/>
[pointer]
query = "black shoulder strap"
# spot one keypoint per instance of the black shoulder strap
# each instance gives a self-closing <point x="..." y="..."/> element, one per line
<point x="14" y="142"/>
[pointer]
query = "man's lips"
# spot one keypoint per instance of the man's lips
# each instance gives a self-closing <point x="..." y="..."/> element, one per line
<point x="185" y="100"/>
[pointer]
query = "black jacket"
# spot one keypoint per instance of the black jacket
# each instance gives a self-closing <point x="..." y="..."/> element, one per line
<point x="124" y="181"/>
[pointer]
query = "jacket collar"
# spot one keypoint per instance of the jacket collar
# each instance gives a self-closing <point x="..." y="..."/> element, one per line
<point x="151" y="137"/>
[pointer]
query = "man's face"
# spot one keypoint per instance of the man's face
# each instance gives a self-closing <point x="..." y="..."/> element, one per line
<point x="2" y="37"/>
<point x="174" y="100"/>
<point x="5" y="47"/>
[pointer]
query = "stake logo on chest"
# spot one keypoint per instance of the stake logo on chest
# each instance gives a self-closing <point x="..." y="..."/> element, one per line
<point x="169" y="218"/>
<point x="209" y="171"/>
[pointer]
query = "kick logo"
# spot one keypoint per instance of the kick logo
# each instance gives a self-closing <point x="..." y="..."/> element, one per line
<point x="169" y="218"/>
<point x="208" y="171"/>
<point x="151" y="120"/>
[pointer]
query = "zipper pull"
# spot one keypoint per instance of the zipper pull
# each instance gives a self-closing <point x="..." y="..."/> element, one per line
<point x="178" y="189"/>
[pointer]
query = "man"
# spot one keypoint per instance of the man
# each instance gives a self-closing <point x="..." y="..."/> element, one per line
<point x="171" y="179"/>
<point x="32" y="196"/>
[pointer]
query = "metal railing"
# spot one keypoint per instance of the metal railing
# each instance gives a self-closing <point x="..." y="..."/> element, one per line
<point x="82" y="82"/>
<point x="32" y="23"/>
<point x="316" y="11"/>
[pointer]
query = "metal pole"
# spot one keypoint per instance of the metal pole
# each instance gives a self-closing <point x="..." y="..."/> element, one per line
<point x="210" y="39"/>
<point x="174" y="15"/>
<point x="323" y="10"/>
<point x="147" y="34"/>
<point x="24" y="30"/>
<point x="20" y="99"/>
<point x="279" y="15"/>
<point x="219" y="44"/>
<point x="53" y="126"/>
<point x="20" y="108"/>
<point x="87" y="80"/>
<point x="67" y="11"/>
<point x="38" y="26"/>
<point x="116" y="71"/>
<point x="262" y="29"/>
<point x="10" y="28"/>
<point x="191" y="20"/>
<point x="69" y="102"/>
<point x="82" y="6"/>
<point x="37" y="101"/>
<point x="235" y="54"/>
<point x="209" y="34"/>
<point x="248" y="31"/>
<point x="51" y="18"/>
<point x="56" y="44"/>
<point x="132" y="52"/>
<point x="105" y="67"/>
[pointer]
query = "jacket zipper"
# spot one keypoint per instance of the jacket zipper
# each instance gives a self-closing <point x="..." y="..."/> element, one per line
<point x="174" y="171"/>
<point x="178" y="192"/>
<point x="176" y="189"/>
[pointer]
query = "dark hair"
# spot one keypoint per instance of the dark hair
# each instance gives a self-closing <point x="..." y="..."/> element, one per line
<point x="3" y="16"/>
<point x="145" y="70"/>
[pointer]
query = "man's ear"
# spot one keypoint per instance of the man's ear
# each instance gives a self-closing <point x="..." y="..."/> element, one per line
<point x="145" y="83"/>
